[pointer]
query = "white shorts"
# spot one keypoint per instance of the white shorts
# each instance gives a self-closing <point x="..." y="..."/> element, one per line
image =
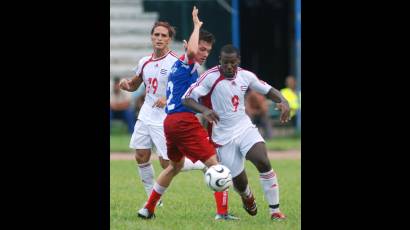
<point x="233" y="153"/>
<point x="144" y="135"/>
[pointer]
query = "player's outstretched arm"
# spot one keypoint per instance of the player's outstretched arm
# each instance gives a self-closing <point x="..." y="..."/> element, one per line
<point x="131" y="85"/>
<point x="192" y="46"/>
<point x="210" y="115"/>
<point x="282" y="104"/>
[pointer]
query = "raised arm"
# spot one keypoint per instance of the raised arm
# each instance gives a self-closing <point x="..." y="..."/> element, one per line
<point x="192" y="46"/>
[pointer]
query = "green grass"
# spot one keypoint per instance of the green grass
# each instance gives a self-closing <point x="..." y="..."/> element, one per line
<point x="189" y="204"/>
<point x="283" y="143"/>
<point x="119" y="143"/>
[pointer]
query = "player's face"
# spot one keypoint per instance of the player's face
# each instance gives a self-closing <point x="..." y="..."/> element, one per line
<point x="160" y="38"/>
<point x="204" y="49"/>
<point x="229" y="64"/>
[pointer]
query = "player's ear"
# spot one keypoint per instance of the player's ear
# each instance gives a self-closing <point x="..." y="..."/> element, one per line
<point x="220" y="60"/>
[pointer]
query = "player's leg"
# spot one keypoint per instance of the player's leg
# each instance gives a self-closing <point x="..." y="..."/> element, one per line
<point x="230" y="156"/>
<point x="163" y="181"/>
<point x="242" y="187"/>
<point x="141" y="142"/>
<point x="158" y="137"/>
<point x="194" y="143"/>
<point x="164" y="163"/>
<point x="221" y="198"/>
<point x="257" y="154"/>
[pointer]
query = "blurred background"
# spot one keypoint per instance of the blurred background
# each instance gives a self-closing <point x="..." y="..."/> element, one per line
<point x="267" y="33"/>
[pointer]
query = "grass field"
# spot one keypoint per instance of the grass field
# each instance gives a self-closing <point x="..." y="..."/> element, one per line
<point x="119" y="143"/>
<point x="189" y="204"/>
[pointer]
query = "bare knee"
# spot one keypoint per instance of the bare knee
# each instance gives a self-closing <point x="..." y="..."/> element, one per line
<point x="175" y="167"/>
<point x="259" y="157"/>
<point x="164" y="163"/>
<point x="142" y="155"/>
<point x="263" y="165"/>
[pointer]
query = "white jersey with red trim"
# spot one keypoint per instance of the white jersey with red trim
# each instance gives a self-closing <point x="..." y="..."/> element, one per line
<point x="227" y="98"/>
<point x="155" y="72"/>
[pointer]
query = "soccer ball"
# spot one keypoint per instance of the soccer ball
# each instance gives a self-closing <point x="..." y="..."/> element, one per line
<point x="218" y="178"/>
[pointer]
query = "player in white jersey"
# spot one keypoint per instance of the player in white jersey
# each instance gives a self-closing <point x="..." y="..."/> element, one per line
<point x="153" y="70"/>
<point x="237" y="138"/>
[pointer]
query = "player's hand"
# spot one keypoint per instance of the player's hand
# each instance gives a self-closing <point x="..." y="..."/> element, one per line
<point x="125" y="84"/>
<point x="211" y="116"/>
<point x="285" y="111"/>
<point x="160" y="103"/>
<point x="195" y="18"/>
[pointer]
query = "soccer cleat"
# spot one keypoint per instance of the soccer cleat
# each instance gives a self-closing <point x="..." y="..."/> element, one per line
<point x="226" y="217"/>
<point x="249" y="205"/>
<point x="278" y="216"/>
<point x="145" y="214"/>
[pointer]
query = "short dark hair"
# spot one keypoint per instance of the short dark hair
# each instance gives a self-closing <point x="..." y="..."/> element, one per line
<point x="117" y="79"/>
<point x="171" y="29"/>
<point x="206" y="36"/>
<point x="230" y="49"/>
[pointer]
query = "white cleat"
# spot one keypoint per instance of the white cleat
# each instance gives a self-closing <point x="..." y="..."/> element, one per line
<point x="145" y="214"/>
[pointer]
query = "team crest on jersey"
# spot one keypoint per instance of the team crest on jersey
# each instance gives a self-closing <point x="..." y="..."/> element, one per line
<point x="163" y="71"/>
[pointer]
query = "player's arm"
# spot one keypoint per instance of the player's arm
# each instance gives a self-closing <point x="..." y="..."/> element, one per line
<point x="272" y="93"/>
<point x="192" y="46"/>
<point x="191" y="97"/>
<point x="210" y="115"/>
<point x="281" y="103"/>
<point x="132" y="84"/>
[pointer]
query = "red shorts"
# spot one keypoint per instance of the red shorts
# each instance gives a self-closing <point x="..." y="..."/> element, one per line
<point x="186" y="137"/>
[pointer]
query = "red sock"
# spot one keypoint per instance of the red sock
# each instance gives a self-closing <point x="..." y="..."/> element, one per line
<point x="152" y="201"/>
<point x="221" y="199"/>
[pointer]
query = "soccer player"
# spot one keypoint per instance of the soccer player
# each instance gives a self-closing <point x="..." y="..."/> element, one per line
<point x="224" y="86"/>
<point x="184" y="133"/>
<point x="153" y="70"/>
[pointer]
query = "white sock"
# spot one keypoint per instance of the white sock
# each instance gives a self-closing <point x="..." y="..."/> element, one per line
<point x="270" y="187"/>
<point x="189" y="165"/>
<point x="159" y="189"/>
<point x="146" y="172"/>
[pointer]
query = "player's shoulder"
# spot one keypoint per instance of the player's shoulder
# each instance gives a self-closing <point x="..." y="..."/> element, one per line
<point x="144" y="59"/>
<point x="172" y="56"/>
<point x="212" y="72"/>
<point x="245" y="73"/>
<point x="210" y="75"/>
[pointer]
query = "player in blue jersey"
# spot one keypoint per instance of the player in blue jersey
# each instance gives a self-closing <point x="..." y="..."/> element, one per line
<point x="184" y="133"/>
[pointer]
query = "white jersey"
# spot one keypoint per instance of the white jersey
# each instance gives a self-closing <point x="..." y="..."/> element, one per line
<point x="227" y="97"/>
<point x="155" y="75"/>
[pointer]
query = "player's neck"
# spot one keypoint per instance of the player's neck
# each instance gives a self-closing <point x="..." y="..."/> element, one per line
<point x="160" y="53"/>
